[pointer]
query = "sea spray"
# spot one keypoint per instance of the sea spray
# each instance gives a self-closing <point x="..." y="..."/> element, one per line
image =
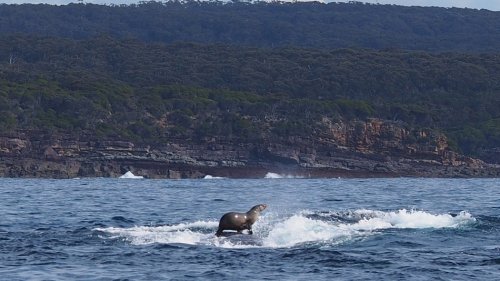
<point x="411" y="219"/>
<point x="271" y="175"/>
<point x="183" y="233"/>
<point x="299" y="229"/>
<point x="210" y="177"/>
<point x="279" y="231"/>
<point x="130" y="175"/>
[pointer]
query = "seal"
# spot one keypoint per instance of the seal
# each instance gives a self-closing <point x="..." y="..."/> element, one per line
<point x="240" y="221"/>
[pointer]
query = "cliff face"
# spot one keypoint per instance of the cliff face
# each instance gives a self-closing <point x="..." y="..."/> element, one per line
<point x="358" y="148"/>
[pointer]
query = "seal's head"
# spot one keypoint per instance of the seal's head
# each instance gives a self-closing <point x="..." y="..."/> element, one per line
<point x="258" y="208"/>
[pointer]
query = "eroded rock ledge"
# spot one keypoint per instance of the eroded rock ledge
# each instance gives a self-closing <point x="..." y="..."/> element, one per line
<point x="370" y="148"/>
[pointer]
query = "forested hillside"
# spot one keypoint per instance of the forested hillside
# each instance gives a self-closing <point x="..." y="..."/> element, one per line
<point x="156" y="73"/>
<point x="147" y="92"/>
<point x="261" y="24"/>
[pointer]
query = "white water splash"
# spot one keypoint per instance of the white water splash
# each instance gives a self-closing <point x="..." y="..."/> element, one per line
<point x="410" y="219"/>
<point x="299" y="229"/>
<point x="279" y="176"/>
<point x="184" y="233"/>
<point x="209" y="177"/>
<point x="274" y="231"/>
<point x="130" y="175"/>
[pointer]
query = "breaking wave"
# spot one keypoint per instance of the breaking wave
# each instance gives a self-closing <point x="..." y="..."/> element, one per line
<point x="130" y="175"/>
<point x="210" y="177"/>
<point x="280" y="231"/>
<point x="280" y="176"/>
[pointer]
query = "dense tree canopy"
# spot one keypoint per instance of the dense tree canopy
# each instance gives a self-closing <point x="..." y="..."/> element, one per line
<point x="197" y="70"/>
<point x="154" y="92"/>
<point x="262" y="24"/>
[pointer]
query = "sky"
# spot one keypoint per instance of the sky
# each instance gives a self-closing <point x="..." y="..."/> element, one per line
<point x="493" y="5"/>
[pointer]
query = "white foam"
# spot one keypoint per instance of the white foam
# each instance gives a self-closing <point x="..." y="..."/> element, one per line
<point x="129" y="175"/>
<point x="209" y="177"/>
<point x="280" y="176"/>
<point x="273" y="176"/>
<point x="299" y="229"/>
<point x="181" y="233"/>
<point x="227" y="243"/>
<point x="278" y="231"/>
<point x="410" y="219"/>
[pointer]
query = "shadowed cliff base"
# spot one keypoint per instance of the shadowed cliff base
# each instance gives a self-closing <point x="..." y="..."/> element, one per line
<point x="370" y="148"/>
<point x="36" y="168"/>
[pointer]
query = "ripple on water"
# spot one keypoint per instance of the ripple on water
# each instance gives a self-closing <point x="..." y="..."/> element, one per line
<point x="385" y="229"/>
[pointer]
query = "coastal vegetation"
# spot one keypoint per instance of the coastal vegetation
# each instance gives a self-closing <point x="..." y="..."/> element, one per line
<point x="148" y="92"/>
<point x="264" y="24"/>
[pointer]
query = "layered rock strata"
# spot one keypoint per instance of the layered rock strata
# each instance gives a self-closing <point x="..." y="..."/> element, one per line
<point x="370" y="148"/>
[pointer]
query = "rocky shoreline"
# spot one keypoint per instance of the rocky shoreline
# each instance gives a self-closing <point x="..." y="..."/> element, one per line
<point x="370" y="148"/>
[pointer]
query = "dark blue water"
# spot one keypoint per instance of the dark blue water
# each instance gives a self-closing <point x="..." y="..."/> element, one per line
<point x="342" y="229"/>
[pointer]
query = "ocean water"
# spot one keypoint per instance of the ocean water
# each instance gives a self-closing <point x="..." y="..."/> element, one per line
<point x="313" y="229"/>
